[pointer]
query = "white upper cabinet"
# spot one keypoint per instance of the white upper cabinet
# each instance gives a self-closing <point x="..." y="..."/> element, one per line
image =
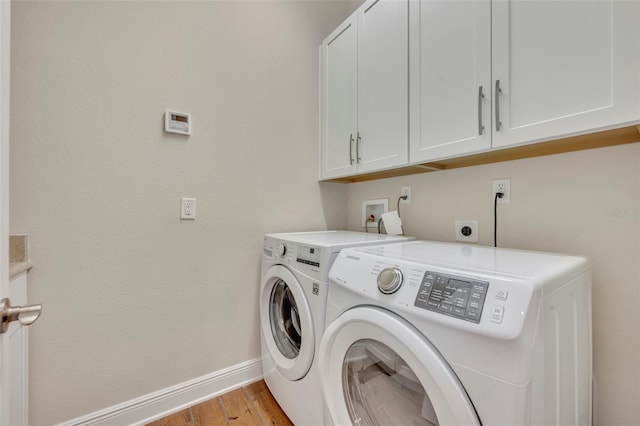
<point x="450" y="78"/>
<point x="364" y="91"/>
<point x="383" y="89"/>
<point x="564" y="68"/>
<point x="492" y="74"/>
<point x="339" y="100"/>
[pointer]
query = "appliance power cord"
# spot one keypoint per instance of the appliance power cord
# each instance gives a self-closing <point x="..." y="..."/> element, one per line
<point x="495" y="218"/>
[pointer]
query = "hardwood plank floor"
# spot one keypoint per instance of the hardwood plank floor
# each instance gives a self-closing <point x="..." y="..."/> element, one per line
<point x="251" y="405"/>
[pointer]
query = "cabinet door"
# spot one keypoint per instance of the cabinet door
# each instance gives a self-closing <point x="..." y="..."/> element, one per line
<point x="450" y="78"/>
<point x="382" y="84"/>
<point x="564" y="67"/>
<point x="339" y="101"/>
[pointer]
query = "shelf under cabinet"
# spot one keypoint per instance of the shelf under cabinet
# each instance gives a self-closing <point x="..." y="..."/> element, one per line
<point x="620" y="136"/>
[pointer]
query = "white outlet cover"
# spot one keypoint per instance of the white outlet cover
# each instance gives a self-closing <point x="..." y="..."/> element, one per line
<point x="188" y="209"/>
<point x="505" y="184"/>
<point x="405" y="190"/>
<point x="460" y="225"/>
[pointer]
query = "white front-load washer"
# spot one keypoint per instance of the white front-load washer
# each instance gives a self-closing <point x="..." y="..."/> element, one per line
<point x="293" y="298"/>
<point x="426" y="333"/>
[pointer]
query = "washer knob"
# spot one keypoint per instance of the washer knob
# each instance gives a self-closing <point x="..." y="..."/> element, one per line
<point x="389" y="280"/>
<point x="281" y="250"/>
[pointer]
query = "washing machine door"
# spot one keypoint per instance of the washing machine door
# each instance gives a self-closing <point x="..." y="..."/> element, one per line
<point x="377" y="369"/>
<point x="286" y="322"/>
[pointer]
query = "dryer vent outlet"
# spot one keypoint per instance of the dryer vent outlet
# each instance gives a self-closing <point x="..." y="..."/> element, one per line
<point x="466" y="231"/>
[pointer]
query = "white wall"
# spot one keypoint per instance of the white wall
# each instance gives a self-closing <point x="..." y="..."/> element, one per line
<point x="134" y="299"/>
<point x="585" y="203"/>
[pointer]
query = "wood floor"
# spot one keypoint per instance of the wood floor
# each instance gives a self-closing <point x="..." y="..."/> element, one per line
<point x="251" y="405"/>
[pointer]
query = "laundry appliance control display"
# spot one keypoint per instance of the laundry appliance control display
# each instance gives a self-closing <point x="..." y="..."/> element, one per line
<point x="454" y="296"/>
<point x="309" y="256"/>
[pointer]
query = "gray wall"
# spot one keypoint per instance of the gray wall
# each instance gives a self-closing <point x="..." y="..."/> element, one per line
<point x="96" y="183"/>
<point x="134" y="299"/>
<point x="585" y="203"/>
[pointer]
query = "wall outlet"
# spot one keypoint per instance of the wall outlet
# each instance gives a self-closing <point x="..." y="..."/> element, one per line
<point x="504" y="186"/>
<point x="467" y="231"/>
<point x="405" y="190"/>
<point x="188" y="209"/>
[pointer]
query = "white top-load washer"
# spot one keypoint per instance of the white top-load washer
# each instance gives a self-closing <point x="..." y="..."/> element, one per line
<point x="293" y="298"/>
<point x="435" y="333"/>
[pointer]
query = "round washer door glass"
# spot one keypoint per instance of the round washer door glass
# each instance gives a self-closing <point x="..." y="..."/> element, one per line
<point x="381" y="389"/>
<point x="285" y="320"/>
<point x="286" y="323"/>
<point x="377" y="369"/>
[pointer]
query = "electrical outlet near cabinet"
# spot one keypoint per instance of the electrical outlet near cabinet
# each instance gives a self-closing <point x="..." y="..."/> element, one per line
<point x="405" y="191"/>
<point x="503" y="186"/>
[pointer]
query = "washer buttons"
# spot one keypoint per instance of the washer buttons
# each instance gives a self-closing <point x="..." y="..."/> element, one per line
<point x="497" y="313"/>
<point x="502" y="295"/>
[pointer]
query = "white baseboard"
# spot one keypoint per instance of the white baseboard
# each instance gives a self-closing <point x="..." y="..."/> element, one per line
<point x="159" y="404"/>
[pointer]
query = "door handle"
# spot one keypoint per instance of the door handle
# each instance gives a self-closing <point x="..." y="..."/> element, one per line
<point x="480" y="98"/>
<point x="26" y="315"/>
<point x="359" y="139"/>
<point x="497" y="103"/>
<point x="351" y="149"/>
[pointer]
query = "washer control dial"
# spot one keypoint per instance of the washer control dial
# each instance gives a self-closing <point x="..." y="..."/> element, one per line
<point x="389" y="280"/>
<point x="281" y="250"/>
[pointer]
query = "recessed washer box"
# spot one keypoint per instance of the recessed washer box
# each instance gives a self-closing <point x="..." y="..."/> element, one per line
<point x="177" y="122"/>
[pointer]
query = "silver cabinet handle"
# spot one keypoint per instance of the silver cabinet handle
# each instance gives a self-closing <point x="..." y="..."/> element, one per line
<point x="497" y="101"/>
<point x="358" y="147"/>
<point x="26" y="315"/>
<point x="480" y="98"/>
<point x="351" y="149"/>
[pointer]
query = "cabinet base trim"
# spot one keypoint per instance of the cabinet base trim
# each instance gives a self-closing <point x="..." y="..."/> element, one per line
<point x="621" y="136"/>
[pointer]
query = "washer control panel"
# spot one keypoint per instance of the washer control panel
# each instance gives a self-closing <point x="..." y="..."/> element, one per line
<point x="309" y="255"/>
<point x="309" y="259"/>
<point x="389" y="280"/>
<point x="451" y="295"/>
<point x="485" y="291"/>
